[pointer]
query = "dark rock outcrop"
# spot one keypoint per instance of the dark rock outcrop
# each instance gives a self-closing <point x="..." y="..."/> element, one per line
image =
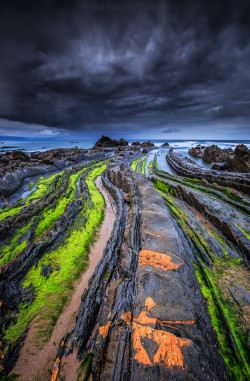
<point x="122" y="142"/>
<point x="147" y="144"/>
<point x="240" y="161"/>
<point x="219" y="166"/>
<point x="165" y="144"/>
<point x="105" y="141"/>
<point x="184" y="166"/>
<point x="4" y="159"/>
<point x="19" y="155"/>
<point x="195" y="151"/>
<point x="214" y="154"/>
<point x="237" y="161"/>
<point x="241" y="151"/>
<point x="136" y="143"/>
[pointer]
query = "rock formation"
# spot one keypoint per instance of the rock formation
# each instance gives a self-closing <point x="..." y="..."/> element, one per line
<point x="169" y="299"/>
<point x="19" y="155"/>
<point x="19" y="166"/>
<point x="184" y="166"/>
<point x="195" y="151"/>
<point x="105" y="141"/>
<point x="214" y="154"/>
<point x="147" y="144"/>
<point x="135" y="143"/>
<point x="138" y="336"/>
<point x="240" y="161"/>
<point x="237" y="161"/>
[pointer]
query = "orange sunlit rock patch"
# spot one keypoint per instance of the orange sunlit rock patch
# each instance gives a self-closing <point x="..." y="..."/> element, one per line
<point x="169" y="347"/>
<point x="144" y="319"/>
<point x="169" y="352"/>
<point x="155" y="259"/>
<point x="55" y="370"/>
<point x="127" y="317"/>
<point x="180" y="322"/>
<point x="141" y="354"/>
<point x="105" y="329"/>
<point x="149" y="303"/>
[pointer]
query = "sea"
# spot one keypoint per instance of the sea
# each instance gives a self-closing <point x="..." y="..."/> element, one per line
<point x="180" y="146"/>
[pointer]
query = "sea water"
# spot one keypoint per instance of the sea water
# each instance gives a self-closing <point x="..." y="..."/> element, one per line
<point x="180" y="146"/>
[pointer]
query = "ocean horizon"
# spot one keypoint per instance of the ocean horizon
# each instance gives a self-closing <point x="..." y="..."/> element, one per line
<point x="44" y="145"/>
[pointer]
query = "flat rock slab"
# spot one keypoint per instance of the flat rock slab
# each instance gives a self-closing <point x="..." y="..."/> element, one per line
<point x="172" y="337"/>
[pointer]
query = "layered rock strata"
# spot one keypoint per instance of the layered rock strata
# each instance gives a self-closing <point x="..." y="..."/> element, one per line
<point x="215" y="223"/>
<point x="16" y="169"/>
<point x="184" y="166"/>
<point x="44" y="245"/>
<point x="168" y="300"/>
<point x="152" y="321"/>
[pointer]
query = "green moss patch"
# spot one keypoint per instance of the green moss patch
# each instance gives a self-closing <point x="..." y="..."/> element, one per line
<point x="230" y="314"/>
<point x="135" y="162"/>
<point x="85" y="367"/>
<point x="67" y="262"/>
<point x="230" y="321"/>
<point x="17" y="244"/>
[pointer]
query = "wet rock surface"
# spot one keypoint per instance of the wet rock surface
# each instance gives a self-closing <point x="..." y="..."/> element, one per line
<point x="214" y="154"/>
<point x="218" y="235"/>
<point x="195" y="151"/>
<point x="169" y="300"/>
<point x="233" y="161"/>
<point x="18" y="166"/>
<point x="153" y="322"/>
<point x="240" y="161"/>
<point x="19" y="155"/>
<point x="230" y="221"/>
<point x="176" y="339"/>
<point x="105" y="141"/>
<point x="184" y="166"/>
<point x="35" y="232"/>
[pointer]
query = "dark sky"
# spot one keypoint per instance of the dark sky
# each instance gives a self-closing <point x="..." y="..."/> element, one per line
<point x="172" y="69"/>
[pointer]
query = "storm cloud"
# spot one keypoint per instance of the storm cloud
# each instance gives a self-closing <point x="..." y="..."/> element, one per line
<point x="92" y="66"/>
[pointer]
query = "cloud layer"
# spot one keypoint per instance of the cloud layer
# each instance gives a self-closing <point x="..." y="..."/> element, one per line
<point x="90" y="65"/>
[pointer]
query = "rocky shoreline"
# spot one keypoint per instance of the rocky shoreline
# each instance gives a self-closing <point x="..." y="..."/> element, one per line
<point x="170" y="297"/>
<point x="184" y="166"/>
<point x="224" y="159"/>
<point x="16" y="166"/>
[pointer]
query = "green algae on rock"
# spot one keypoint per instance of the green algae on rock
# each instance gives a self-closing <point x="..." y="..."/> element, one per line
<point x="170" y="296"/>
<point x="219" y="270"/>
<point x="66" y="259"/>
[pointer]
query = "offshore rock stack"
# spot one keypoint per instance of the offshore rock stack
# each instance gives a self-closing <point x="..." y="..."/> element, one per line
<point x="184" y="166"/>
